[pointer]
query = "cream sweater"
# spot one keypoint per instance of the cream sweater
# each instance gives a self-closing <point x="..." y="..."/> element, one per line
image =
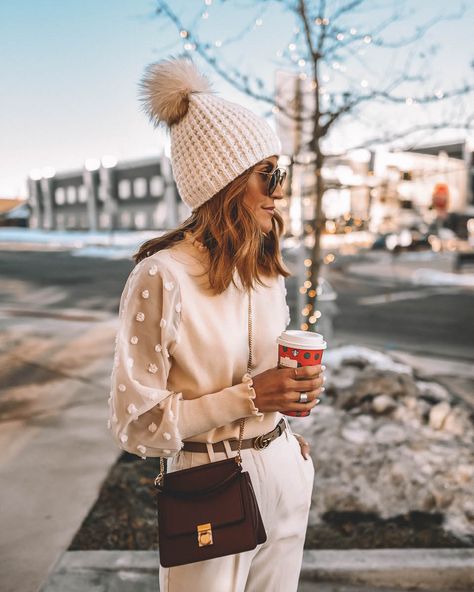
<point x="180" y="364"/>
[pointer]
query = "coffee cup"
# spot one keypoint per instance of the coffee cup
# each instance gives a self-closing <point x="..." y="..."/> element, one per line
<point x="299" y="348"/>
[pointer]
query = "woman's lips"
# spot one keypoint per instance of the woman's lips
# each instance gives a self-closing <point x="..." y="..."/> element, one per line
<point x="271" y="210"/>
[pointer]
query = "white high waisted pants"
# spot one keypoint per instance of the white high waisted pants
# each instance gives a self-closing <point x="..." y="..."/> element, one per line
<point x="283" y="483"/>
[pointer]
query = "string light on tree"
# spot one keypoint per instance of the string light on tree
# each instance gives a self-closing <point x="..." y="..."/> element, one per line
<point x="367" y="39"/>
<point x="183" y="34"/>
<point x="329" y="258"/>
<point x="205" y="15"/>
<point x="364" y="83"/>
<point x="292" y="47"/>
<point x="353" y="31"/>
<point x="208" y="2"/>
<point x="259" y="22"/>
<point x="340" y="36"/>
<point x="218" y="43"/>
<point x="301" y="63"/>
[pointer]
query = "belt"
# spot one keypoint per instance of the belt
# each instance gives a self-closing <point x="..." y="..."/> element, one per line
<point x="258" y="443"/>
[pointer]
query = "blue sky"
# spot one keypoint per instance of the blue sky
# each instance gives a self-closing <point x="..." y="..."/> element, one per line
<point x="69" y="72"/>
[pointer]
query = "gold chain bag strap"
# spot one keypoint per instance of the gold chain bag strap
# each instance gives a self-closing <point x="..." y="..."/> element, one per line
<point x="210" y="510"/>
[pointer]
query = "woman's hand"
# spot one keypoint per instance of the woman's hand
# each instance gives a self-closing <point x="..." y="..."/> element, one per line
<point x="278" y="389"/>
<point x="304" y="446"/>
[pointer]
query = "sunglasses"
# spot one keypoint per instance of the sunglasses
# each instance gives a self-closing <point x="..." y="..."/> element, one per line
<point x="278" y="176"/>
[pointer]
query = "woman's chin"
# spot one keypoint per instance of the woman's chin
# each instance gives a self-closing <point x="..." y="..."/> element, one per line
<point x="266" y="226"/>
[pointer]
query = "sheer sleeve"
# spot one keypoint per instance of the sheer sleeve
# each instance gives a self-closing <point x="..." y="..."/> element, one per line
<point x="145" y="418"/>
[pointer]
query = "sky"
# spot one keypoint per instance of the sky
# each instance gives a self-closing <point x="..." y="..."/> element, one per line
<point x="69" y="72"/>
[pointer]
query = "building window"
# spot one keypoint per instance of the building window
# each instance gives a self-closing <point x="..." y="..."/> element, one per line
<point x="124" y="189"/>
<point x="139" y="187"/>
<point x="60" y="196"/>
<point x="104" y="220"/>
<point x="157" y="186"/>
<point x="140" y="220"/>
<point x="125" y="219"/>
<point x="71" y="194"/>
<point x="82" y="193"/>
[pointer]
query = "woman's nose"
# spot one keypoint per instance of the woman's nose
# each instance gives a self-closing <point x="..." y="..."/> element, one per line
<point x="278" y="193"/>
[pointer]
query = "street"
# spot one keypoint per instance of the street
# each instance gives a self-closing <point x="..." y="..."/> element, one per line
<point x="372" y="311"/>
<point x="424" y="320"/>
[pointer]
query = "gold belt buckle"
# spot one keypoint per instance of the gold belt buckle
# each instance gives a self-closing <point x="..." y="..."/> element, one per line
<point x="261" y="442"/>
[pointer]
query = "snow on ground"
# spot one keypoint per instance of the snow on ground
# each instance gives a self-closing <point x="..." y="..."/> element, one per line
<point x="335" y="358"/>
<point x="108" y="245"/>
<point x="432" y="277"/>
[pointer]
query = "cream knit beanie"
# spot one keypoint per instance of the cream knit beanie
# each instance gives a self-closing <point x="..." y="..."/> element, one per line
<point x="213" y="140"/>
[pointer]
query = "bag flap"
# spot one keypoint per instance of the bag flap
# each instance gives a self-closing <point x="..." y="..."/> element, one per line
<point x="179" y="517"/>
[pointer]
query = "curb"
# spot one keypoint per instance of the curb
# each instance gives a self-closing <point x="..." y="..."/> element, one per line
<point x="447" y="570"/>
<point x="419" y="569"/>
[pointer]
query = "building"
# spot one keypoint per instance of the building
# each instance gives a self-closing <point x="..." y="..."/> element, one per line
<point x="106" y="195"/>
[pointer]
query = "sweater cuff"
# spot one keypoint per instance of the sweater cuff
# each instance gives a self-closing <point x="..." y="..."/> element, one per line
<point x="247" y="379"/>
<point x="197" y="416"/>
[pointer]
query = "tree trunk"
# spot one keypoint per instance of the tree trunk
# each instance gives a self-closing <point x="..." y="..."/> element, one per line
<point x="318" y="227"/>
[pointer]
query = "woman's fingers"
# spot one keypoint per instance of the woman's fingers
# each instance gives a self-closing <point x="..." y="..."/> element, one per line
<point x="304" y="446"/>
<point x="304" y="386"/>
<point x="296" y="406"/>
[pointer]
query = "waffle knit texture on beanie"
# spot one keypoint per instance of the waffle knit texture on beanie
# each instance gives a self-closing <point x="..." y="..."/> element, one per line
<point x="213" y="140"/>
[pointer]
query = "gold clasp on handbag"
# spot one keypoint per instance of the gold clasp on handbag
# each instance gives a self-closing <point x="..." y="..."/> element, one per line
<point x="204" y="532"/>
<point x="260" y="442"/>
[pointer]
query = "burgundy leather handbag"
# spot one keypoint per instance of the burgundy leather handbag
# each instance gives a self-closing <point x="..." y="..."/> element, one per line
<point x="208" y="511"/>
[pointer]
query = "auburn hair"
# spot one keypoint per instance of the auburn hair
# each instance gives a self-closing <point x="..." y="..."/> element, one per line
<point x="229" y="230"/>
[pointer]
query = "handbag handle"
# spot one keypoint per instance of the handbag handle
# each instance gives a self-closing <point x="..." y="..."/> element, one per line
<point x="238" y="457"/>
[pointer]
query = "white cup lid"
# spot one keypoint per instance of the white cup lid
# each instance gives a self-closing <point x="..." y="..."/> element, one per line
<point x="302" y="339"/>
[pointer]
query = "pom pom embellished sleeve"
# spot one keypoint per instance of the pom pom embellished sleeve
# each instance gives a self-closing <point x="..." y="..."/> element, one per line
<point x="159" y="371"/>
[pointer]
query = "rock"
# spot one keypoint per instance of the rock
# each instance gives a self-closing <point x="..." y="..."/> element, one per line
<point x="468" y="508"/>
<point x="438" y="414"/>
<point x="432" y="392"/>
<point x="443" y="498"/>
<point x="390" y="433"/>
<point x="409" y="417"/>
<point x="463" y="474"/>
<point x="454" y="423"/>
<point x="383" y="404"/>
<point x="355" y="433"/>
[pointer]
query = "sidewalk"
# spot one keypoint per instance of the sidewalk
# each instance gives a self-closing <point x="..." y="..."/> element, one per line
<point x="55" y="450"/>
<point x="447" y="570"/>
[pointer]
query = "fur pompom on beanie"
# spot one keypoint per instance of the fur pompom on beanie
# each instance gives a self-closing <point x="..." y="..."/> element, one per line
<point x="213" y="140"/>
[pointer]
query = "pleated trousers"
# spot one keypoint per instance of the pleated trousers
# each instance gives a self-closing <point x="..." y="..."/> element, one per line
<point x="283" y="483"/>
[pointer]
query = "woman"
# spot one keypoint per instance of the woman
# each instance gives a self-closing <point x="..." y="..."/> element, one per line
<point x="180" y="383"/>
